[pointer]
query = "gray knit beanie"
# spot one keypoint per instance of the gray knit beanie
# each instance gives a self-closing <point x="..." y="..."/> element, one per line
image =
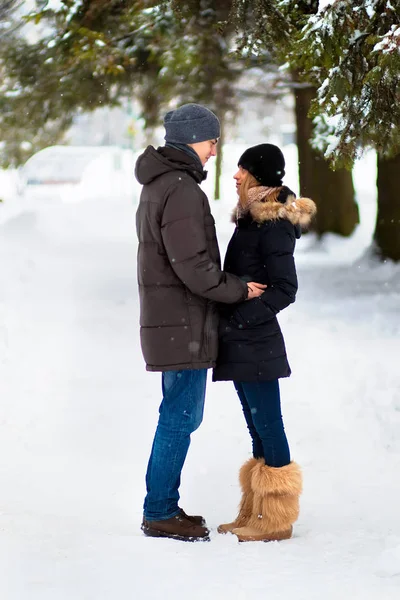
<point x="191" y="123"/>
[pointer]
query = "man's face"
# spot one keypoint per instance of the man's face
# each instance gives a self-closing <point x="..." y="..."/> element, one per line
<point x="205" y="150"/>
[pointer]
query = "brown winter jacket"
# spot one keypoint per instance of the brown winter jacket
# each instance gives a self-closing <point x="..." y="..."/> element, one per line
<point x="178" y="270"/>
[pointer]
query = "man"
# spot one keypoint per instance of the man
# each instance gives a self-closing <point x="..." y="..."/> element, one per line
<point x="180" y="281"/>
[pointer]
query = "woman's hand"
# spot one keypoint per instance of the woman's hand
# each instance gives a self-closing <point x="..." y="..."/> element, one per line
<point x="255" y="290"/>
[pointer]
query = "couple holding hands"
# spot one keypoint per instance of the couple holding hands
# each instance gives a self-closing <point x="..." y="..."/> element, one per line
<point x="195" y="316"/>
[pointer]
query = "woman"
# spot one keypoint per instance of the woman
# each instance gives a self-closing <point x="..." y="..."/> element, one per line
<point x="251" y="347"/>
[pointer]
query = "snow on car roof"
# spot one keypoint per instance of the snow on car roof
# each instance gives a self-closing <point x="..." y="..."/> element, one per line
<point x="62" y="163"/>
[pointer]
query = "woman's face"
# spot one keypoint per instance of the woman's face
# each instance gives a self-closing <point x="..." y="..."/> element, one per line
<point x="239" y="177"/>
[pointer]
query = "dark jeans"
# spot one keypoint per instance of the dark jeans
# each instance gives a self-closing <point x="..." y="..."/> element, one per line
<point x="261" y="405"/>
<point x="181" y="412"/>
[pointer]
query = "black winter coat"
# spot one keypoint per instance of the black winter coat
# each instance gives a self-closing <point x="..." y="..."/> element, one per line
<point x="251" y="345"/>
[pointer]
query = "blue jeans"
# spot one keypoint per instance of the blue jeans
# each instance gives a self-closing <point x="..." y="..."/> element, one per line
<point x="261" y="404"/>
<point x="181" y="412"/>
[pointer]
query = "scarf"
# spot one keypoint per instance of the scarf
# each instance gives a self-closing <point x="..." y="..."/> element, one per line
<point x="187" y="150"/>
<point x="259" y="193"/>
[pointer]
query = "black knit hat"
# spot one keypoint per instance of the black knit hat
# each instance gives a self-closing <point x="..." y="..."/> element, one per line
<point x="265" y="162"/>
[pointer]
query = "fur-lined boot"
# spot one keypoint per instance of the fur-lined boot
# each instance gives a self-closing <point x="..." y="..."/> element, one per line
<point x="246" y="503"/>
<point x="276" y="492"/>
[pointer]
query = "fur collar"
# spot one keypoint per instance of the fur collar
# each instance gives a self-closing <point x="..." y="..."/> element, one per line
<point x="299" y="211"/>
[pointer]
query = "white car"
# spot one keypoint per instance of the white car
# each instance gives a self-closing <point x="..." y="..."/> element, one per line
<point x="80" y="173"/>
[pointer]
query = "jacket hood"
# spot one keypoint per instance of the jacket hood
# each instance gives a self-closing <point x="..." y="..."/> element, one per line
<point x="154" y="163"/>
<point x="299" y="211"/>
<point x="263" y="208"/>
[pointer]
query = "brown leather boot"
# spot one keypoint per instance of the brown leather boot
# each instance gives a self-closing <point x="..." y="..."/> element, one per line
<point x="177" y="528"/>
<point x="195" y="519"/>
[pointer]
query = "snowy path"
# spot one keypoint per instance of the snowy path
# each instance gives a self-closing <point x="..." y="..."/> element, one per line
<point x="77" y="414"/>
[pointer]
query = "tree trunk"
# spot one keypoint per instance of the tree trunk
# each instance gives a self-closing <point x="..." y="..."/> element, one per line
<point x="332" y="191"/>
<point x="387" y="229"/>
<point x="218" y="162"/>
<point x="307" y="158"/>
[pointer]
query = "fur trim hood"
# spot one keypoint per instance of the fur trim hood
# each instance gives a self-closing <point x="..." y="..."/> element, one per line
<point x="263" y="207"/>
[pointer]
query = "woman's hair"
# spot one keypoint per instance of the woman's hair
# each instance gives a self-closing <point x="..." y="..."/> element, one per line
<point x="248" y="183"/>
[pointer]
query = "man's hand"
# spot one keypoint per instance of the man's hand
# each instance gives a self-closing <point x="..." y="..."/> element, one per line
<point x="255" y="290"/>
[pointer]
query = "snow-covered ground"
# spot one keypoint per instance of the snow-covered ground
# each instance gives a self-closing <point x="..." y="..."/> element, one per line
<point x="78" y="412"/>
